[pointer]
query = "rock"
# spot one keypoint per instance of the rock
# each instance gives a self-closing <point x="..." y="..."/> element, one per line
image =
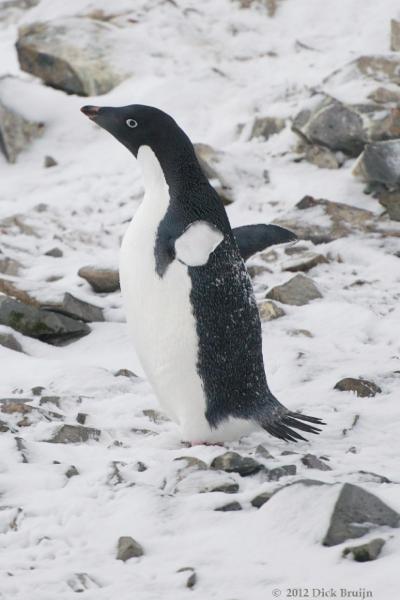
<point x="342" y="220"/>
<point x="232" y="462"/>
<point x="322" y="157"/>
<point x="263" y="452"/>
<point x="81" y="418"/>
<point x="71" y="54"/>
<point x="154" y="415"/>
<point x="16" y="132"/>
<point x="126" y="373"/>
<point x="192" y="579"/>
<point x="382" y="95"/>
<point x="261" y="499"/>
<point x="355" y="512"/>
<point x="72" y="471"/>
<point x="38" y="390"/>
<point x="298" y="332"/>
<point x="362" y="387"/>
<point x="304" y="262"/>
<point x="4" y="427"/>
<point x="50" y="400"/>
<point x="50" y="327"/>
<point x="193" y="463"/>
<point x="229" y="507"/>
<point x="226" y="488"/>
<point x="269" y="310"/>
<point x="365" y="552"/>
<point x="256" y="270"/>
<point x="375" y="477"/>
<point x="312" y="462"/>
<point x="9" y="266"/>
<point x="49" y="162"/>
<point x="208" y="159"/>
<point x="297" y="291"/>
<point x="395" y="35"/>
<point x="128" y="548"/>
<point x="102" y="281"/>
<point x="8" y="340"/>
<point x="278" y="472"/>
<point x="381" y="68"/>
<point x="76" y="309"/>
<point x="379" y="163"/>
<point x="74" y="434"/>
<point x="264" y="127"/>
<point x="54" y="252"/>
<point x="391" y="201"/>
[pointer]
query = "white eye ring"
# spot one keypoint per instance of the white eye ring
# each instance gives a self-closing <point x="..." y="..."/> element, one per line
<point x="131" y="123"/>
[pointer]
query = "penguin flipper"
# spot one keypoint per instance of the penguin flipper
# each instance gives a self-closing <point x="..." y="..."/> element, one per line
<point x="254" y="238"/>
<point x="197" y="242"/>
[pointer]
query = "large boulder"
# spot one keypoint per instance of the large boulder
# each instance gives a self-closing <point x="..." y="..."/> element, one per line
<point x="72" y="54"/>
<point x="16" y="132"/>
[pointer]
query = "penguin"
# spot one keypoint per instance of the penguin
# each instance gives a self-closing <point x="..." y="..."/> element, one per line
<point x="188" y="297"/>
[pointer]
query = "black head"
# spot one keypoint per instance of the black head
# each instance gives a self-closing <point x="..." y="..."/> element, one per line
<point x="138" y="125"/>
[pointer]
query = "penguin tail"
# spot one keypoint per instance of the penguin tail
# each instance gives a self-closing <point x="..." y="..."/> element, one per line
<point x="282" y="423"/>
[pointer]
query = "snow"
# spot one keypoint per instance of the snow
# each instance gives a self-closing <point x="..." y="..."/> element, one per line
<point x="213" y="66"/>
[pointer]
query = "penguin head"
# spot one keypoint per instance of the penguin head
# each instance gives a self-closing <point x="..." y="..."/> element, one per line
<point x="137" y="125"/>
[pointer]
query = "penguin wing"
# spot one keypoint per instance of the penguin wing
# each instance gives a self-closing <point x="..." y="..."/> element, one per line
<point x="254" y="238"/>
<point x="197" y="242"/>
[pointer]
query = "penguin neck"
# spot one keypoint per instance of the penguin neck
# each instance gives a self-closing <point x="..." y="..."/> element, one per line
<point x="171" y="174"/>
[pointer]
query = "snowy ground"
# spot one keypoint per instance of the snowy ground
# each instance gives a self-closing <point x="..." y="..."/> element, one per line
<point x="213" y="67"/>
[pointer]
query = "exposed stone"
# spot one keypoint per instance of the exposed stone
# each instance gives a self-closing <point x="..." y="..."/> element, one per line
<point x="50" y="400"/>
<point x="395" y="35"/>
<point x="232" y="462"/>
<point x="16" y="132"/>
<point x="4" y="427"/>
<point x="299" y="332"/>
<point x="226" y="488"/>
<point x="76" y="309"/>
<point x="356" y="511"/>
<point x="375" y="477"/>
<point x="9" y="266"/>
<point x="192" y="579"/>
<point x="297" y="291"/>
<point x="365" y="552"/>
<point x="72" y="471"/>
<point x="125" y="373"/>
<point x="322" y="158"/>
<point x="261" y="499"/>
<point x="381" y="68"/>
<point x="38" y="390"/>
<point x="278" y="472"/>
<point x="44" y="325"/>
<point x="269" y="310"/>
<point x="193" y="463"/>
<point x="362" y="387"/>
<point x="382" y="95"/>
<point x="128" y="548"/>
<point x="304" y="262"/>
<point x="8" y="340"/>
<point x="81" y="418"/>
<point x="155" y="415"/>
<point x="256" y="270"/>
<point x="341" y="220"/>
<point x="380" y="163"/>
<point x="49" y="162"/>
<point x="264" y="127"/>
<point x="74" y="434"/>
<point x="313" y="462"/>
<point x="391" y="201"/>
<point x="54" y="253"/>
<point x="263" y="452"/>
<point x="229" y="507"/>
<point x="71" y="54"/>
<point x="208" y="159"/>
<point x="102" y="281"/>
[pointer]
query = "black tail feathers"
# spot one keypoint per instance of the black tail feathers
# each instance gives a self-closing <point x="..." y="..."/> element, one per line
<point x="282" y="424"/>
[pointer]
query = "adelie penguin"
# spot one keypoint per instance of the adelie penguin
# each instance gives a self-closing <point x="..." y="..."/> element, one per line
<point x="189" y="300"/>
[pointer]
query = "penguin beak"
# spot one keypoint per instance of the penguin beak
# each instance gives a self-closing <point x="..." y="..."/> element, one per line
<point x="91" y="111"/>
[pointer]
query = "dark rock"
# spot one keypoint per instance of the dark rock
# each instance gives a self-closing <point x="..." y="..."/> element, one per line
<point x="229" y="507"/>
<point x="125" y="373"/>
<point x="312" y="462"/>
<point x="50" y="400"/>
<point x="81" y="418"/>
<point x="102" y="281"/>
<point x="297" y="291"/>
<point x="49" y="162"/>
<point x="226" y="488"/>
<point x="76" y="309"/>
<point x="4" y="427"/>
<point x="261" y="499"/>
<point x="16" y="132"/>
<point x="38" y="390"/>
<point x="74" y="434"/>
<point x="232" y="462"/>
<point x="22" y="449"/>
<point x="356" y="511"/>
<point x="128" y="548"/>
<point x="362" y="387"/>
<point x="8" y="340"/>
<point x="71" y="54"/>
<point x="304" y="262"/>
<point x="256" y="270"/>
<point x="269" y="310"/>
<point x="54" y="253"/>
<point x="365" y="552"/>
<point x="395" y="35"/>
<point x="72" y="471"/>
<point x="264" y="127"/>
<point x="278" y="472"/>
<point x="44" y="325"/>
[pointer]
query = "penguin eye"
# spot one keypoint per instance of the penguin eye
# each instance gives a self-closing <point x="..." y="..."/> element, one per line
<point x="131" y="123"/>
